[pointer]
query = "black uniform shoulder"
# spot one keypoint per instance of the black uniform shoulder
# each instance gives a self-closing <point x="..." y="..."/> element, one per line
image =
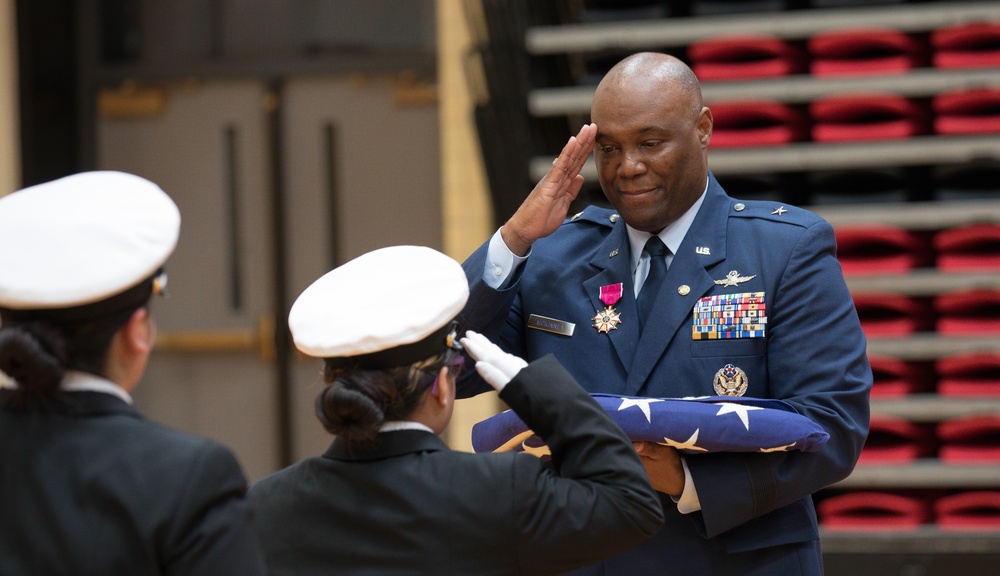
<point x="593" y="215"/>
<point x="773" y="212"/>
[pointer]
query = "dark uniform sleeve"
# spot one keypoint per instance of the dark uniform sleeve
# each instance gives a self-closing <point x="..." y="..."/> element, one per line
<point x="595" y="499"/>
<point x="211" y="533"/>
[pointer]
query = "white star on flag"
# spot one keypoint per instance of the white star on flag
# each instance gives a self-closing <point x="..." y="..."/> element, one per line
<point x="778" y="448"/>
<point x="739" y="409"/>
<point x="536" y="451"/>
<point x="689" y="445"/>
<point x="642" y="403"/>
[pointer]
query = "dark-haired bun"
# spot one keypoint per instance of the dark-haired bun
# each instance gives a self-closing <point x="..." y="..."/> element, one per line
<point x="34" y="359"/>
<point x="349" y="413"/>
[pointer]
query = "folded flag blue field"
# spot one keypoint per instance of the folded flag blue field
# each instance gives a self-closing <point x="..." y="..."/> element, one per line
<point x="692" y="425"/>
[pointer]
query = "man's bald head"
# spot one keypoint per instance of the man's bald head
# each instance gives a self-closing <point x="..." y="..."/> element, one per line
<point x="652" y="71"/>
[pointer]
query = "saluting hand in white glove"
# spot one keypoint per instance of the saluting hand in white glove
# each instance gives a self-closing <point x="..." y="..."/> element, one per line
<point x="493" y="364"/>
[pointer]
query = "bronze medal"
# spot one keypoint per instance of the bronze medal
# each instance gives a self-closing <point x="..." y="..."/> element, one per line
<point x="606" y="320"/>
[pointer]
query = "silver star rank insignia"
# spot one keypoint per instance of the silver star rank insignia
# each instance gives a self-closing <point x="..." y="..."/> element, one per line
<point x="607" y="320"/>
<point x="779" y="211"/>
<point x="734" y="279"/>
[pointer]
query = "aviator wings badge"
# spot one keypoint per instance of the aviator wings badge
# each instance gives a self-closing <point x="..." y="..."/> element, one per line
<point x="734" y="279"/>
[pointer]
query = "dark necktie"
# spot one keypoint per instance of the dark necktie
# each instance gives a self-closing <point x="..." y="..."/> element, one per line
<point x="657" y="272"/>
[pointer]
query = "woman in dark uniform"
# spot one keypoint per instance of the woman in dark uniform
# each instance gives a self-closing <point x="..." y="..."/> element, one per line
<point x="388" y="496"/>
<point x="87" y="486"/>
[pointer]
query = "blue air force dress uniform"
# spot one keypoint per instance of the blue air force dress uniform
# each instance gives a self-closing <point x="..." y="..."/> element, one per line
<point x="409" y="504"/>
<point x="90" y="487"/>
<point x="754" y="303"/>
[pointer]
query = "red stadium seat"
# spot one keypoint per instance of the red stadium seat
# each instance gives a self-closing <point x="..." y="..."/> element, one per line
<point x="880" y="249"/>
<point x="972" y="247"/>
<point x="864" y="51"/>
<point x="968" y="312"/>
<point x="874" y="116"/>
<point x="974" y="374"/>
<point x="893" y="377"/>
<point x="873" y="511"/>
<point x="972" y="181"/>
<point x="894" y="440"/>
<point x="966" y="45"/>
<point x="893" y="314"/>
<point x="756" y="123"/>
<point x="740" y="57"/>
<point x="971" y="111"/>
<point x="974" y="510"/>
<point x="719" y="7"/>
<point x="970" y="439"/>
<point x="856" y="186"/>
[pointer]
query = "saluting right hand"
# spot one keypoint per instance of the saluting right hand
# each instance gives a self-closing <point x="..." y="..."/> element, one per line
<point x="544" y="210"/>
<point x="493" y="364"/>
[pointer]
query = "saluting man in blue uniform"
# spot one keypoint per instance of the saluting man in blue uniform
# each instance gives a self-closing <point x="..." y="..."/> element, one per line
<point x="738" y="298"/>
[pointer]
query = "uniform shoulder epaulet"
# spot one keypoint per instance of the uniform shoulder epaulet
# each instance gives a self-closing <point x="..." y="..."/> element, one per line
<point x="773" y="211"/>
<point x="594" y="215"/>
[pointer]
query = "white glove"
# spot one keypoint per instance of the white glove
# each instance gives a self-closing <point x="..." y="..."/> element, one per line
<point x="493" y="364"/>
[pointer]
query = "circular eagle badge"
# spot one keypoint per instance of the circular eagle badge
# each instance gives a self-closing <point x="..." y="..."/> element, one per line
<point x="730" y="381"/>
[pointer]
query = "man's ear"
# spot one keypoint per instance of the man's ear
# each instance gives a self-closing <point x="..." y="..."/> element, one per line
<point x="705" y="124"/>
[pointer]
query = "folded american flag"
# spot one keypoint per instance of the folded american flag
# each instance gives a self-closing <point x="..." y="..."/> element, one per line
<point x="692" y="425"/>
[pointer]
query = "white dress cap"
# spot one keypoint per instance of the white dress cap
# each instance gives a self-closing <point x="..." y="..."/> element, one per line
<point x="380" y="301"/>
<point x="82" y="239"/>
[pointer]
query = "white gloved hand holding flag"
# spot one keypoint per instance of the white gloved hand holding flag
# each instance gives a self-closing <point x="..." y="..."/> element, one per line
<point x="495" y="366"/>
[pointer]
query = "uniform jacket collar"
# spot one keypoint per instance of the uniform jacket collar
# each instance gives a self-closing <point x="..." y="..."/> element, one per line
<point x="88" y="404"/>
<point x="388" y="445"/>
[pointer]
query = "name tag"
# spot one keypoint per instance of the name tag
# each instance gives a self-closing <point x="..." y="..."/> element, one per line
<point x="547" y="324"/>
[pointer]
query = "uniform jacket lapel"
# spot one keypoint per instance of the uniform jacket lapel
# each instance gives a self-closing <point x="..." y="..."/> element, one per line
<point x="702" y="247"/>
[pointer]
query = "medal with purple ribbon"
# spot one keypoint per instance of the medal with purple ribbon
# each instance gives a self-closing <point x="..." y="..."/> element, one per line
<point x="608" y="319"/>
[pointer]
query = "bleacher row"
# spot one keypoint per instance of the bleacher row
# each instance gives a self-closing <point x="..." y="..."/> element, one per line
<point x="965" y="439"/>
<point x="905" y="510"/>
<point x="855" y="117"/>
<point x="850" y="116"/>
<point x="869" y="186"/>
<point x="851" y="51"/>
<point x="885" y="249"/>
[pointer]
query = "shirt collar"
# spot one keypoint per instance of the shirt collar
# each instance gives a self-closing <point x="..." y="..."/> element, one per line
<point x="672" y="235"/>
<point x="393" y="425"/>
<point x="75" y="381"/>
